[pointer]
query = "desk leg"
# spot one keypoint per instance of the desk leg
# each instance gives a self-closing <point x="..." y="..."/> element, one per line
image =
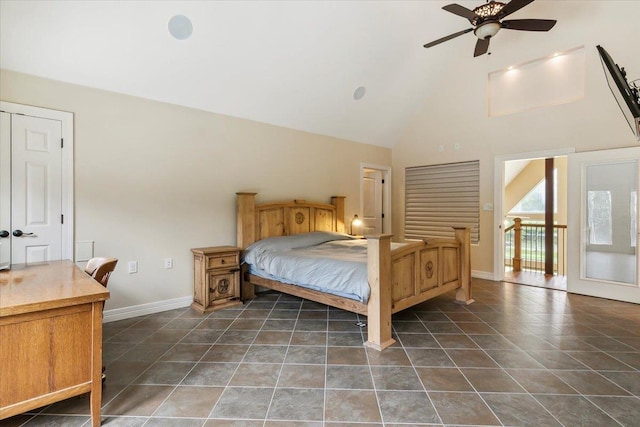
<point x="96" y="369"/>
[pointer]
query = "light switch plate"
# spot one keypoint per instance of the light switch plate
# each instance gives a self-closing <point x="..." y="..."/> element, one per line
<point x="133" y="267"/>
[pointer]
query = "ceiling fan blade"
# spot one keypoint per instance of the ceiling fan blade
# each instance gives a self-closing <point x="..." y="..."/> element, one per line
<point x="513" y="6"/>
<point x="461" y="11"/>
<point x="449" y="37"/>
<point x="482" y="46"/>
<point x="529" y="24"/>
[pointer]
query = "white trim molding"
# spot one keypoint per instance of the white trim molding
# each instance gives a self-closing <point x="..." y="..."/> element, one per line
<point x="148" y="308"/>
<point x="498" y="196"/>
<point x="485" y="275"/>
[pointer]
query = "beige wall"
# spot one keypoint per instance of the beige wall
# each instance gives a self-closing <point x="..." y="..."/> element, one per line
<point x="456" y="112"/>
<point x="153" y="180"/>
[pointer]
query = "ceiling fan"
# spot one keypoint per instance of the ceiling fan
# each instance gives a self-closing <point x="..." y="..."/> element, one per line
<point x="487" y="21"/>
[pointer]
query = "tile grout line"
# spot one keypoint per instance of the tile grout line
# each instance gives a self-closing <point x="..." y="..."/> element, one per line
<point x="506" y="373"/>
<point x="190" y="370"/>
<point x="266" y="415"/>
<point x="492" y="300"/>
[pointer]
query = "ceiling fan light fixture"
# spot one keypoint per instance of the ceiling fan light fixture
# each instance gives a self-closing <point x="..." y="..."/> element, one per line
<point x="488" y="19"/>
<point x="487" y="30"/>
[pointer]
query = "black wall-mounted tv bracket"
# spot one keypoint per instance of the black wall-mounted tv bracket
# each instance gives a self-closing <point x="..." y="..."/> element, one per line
<point x="635" y="90"/>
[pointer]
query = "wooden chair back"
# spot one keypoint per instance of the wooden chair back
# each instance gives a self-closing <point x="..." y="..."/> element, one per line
<point x="101" y="268"/>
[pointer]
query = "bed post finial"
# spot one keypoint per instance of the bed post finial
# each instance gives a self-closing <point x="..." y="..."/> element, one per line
<point x="463" y="294"/>
<point x="246" y="219"/>
<point x="338" y="202"/>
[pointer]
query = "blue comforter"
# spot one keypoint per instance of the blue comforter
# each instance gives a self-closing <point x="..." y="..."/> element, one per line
<point x="324" y="261"/>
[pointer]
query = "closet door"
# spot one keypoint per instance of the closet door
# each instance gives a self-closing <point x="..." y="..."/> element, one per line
<point x="371" y="189"/>
<point x="36" y="189"/>
<point x="36" y="184"/>
<point x="5" y="190"/>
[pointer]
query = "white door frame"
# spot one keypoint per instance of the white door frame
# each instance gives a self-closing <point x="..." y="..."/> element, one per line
<point x="5" y="189"/>
<point x="66" y="119"/>
<point x="386" y="193"/>
<point x="498" y="196"/>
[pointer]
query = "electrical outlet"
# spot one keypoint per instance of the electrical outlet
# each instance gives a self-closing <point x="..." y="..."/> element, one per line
<point x="168" y="263"/>
<point x="440" y="148"/>
<point x="133" y="267"/>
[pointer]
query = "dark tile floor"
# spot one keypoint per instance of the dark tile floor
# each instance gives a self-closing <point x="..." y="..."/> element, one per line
<point x="518" y="356"/>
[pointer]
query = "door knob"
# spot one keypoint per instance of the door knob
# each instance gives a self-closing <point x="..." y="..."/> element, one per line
<point x="18" y="233"/>
<point x="4" y="233"/>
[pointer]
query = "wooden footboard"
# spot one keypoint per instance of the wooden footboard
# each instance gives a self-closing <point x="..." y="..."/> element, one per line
<point x="398" y="279"/>
<point x="412" y="274"/>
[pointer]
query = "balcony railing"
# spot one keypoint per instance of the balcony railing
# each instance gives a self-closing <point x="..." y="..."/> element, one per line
<point x="524" y="247"/>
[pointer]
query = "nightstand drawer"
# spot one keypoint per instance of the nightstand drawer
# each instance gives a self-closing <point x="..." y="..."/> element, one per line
<point x="220" y="261"/>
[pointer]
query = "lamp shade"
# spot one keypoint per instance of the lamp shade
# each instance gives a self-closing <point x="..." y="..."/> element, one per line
<point x="487" y="30"/>
<point x="355" y="222"/>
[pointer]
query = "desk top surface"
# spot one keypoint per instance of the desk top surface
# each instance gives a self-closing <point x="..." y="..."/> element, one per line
<point x="44" y="286"/>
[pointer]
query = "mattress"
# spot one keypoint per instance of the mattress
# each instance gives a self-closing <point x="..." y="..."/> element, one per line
<point x="328" y="262"/>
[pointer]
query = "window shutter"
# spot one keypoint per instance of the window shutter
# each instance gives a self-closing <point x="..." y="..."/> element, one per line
<point x="439" y="197"/>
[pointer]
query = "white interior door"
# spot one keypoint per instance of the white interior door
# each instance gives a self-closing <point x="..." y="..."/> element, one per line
<point x="371" y="201"/>
<point x="5" y="190"/>
<point x="602" y="228"/>
<point x="36" y="189"/>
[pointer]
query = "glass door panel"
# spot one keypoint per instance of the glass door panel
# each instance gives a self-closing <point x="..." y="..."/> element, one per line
<point x="603" y="259"/>
<point x="608" y="251"/>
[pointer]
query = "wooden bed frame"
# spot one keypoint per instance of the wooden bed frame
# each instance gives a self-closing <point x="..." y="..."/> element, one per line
<point x="398" y="279"/>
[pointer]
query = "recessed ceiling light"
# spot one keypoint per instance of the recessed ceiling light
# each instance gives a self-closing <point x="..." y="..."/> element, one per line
<point x="359" y="93"/>
<point x="180" y="27"/>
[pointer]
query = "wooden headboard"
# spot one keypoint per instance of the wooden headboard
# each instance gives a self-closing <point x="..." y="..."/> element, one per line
<point x="256" y="222"/>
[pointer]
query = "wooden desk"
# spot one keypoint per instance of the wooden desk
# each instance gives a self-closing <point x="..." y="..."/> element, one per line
<point x="50" y="337"/>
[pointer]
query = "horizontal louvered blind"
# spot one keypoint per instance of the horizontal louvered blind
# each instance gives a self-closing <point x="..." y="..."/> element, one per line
<point x="439" y="197"/>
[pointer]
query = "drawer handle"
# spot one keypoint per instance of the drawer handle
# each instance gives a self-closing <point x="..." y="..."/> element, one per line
<point x="222" y="261"/>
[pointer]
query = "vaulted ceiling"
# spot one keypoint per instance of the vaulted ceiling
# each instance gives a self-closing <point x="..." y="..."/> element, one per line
<point x="289" y="63"/>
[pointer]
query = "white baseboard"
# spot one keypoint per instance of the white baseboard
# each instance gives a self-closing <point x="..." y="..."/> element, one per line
<point x="170" y="304"/>
<point x="486" y="275"/>
<point x="148" y="308"/>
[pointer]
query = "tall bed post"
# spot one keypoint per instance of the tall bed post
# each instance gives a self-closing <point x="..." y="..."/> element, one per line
<point x="246" y="217"/>
<point x="463" y="294"/>
<point x="379" y="306"/>
<point x="338" y="202"/>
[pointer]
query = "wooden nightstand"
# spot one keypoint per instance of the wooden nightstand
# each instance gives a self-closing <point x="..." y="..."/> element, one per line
<point x="216" y="278"/>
